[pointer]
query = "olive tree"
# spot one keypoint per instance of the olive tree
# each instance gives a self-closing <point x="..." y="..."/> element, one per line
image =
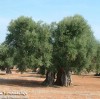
<point x="73" y="38"/>
<point x="30" y="41"/>
<point x="6" y="59"/>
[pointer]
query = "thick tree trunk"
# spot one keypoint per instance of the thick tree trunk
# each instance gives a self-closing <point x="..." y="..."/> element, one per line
<point x="49" y="79"/>
<point x="69" y="78"/>
<point x="8" y="70"/>
<point x="2" y="68"/>
<point x="42" y="70"/>
<point x="63" y="78"/>
<point x="58" y="80"/>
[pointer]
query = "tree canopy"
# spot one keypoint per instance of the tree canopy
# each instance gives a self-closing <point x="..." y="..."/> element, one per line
<point x="30" y="40"/>
<point x="73" y="42"/>
<point x="62" y="47"/>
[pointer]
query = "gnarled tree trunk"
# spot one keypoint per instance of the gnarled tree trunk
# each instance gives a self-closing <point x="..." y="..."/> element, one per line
<point x="49" y="79"/>
<point x="63" y="78"/>
<point x="8" y="70"/>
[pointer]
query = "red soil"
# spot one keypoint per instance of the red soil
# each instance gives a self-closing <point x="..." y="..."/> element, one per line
<point x="84" y="87"/>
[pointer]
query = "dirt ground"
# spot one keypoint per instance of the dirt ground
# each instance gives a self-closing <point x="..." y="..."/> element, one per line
<point x="28" y="86"/>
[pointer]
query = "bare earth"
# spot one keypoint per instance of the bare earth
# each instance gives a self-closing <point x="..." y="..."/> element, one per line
<point x="29" y="86"/>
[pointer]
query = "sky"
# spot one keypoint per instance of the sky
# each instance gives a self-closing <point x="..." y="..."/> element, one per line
<point x="49" y="11"/>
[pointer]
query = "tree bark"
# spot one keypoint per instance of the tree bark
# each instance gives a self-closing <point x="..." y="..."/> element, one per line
<point x="8" y="70"/>
<point x="58" y="80"/>
<point x="63" y="78"/>
<point x="49" y="79"/>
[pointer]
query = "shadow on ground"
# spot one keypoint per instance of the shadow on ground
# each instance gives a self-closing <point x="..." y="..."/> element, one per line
<point x="96" y="76"/>
<point x="37" y="76"/>
<point x="19" y="82"/>
<point x="24" y="83"/>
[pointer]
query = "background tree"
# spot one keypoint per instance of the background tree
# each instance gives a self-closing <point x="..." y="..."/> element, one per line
<point x="6" y="60"/>
<point x="97" y="60"/>
<point x="51" y="70"/>
<point x="30" y="41"/>
<point x="22" y="38"/>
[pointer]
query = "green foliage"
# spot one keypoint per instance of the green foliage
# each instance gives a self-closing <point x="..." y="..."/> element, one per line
<point x="97" y="59"/>
<point x="21" y="38"/>
<point x="73" y="43"/>
<point x="30" y="41"/>
<point x="68" y="44"/>
<point x="6" y="59"/>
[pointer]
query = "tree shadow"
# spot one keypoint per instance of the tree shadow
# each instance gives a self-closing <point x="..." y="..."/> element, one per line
<point x="21" y="83"/>
<point x="96" y="76"/>
<point x="25" y="83"/>
<point x="37" y="76"/>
